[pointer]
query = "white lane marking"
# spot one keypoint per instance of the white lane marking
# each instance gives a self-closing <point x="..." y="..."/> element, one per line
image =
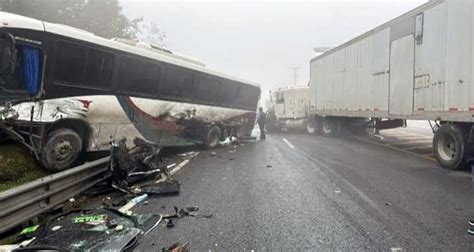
<point x="288" y="143"/>
<point x="344" y="180"/>
<point x="177" y="168"/>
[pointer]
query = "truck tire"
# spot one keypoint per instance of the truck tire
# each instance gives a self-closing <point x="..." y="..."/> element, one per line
<point x="212" y="138"/>
<point x="313" y="127"/>
<point x="62" y="150"/>
<point x="449" y="146"/>
<point x="328" y="127"/>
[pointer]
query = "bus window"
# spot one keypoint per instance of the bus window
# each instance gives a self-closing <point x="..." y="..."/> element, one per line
<point x="99" y="68"/>
<point x="248" y="97"/>
<point x="206" y="89"/>
<point x="70" y="62"/>
<point x="228" y="93"/>
<point x="177" y="83"/>
<point x="138" y="76"/>
<point x="80" y="65"/>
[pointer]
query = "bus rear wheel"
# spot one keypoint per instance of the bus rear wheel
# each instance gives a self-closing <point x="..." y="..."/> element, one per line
<point x="213" y="136"/>
<point x="449" y="146"/>
<point x="62" y="150"/>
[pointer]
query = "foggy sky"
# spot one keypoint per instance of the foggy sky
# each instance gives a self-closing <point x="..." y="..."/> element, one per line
<point x="262" y="42"/>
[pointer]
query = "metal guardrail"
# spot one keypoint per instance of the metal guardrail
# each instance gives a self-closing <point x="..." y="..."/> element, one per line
<point x="23" y="203"/>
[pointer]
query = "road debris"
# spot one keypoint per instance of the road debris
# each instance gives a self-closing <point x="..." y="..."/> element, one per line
<point x="29" y="230"/>
<point x="187" y="211"/>
<point x="137" y="200"/>
<point x="167" y="187"/>
<point x="177" y="247"/>
<point x="56" y="228"/>
<point x="170" y="223"/>
<point x="95" y="230"/>
<point x="109" y="222"/>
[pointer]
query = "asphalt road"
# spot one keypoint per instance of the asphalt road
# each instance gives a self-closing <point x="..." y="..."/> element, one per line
<point x="298" y="192"/>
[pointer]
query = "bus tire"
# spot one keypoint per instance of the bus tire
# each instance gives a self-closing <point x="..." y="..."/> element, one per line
<point x="213" y="136"/>
<point x="61" y="150"/>
<point x="328" y="127"/>
<point x="312" y="127"/>
<point x="449" y="146"/>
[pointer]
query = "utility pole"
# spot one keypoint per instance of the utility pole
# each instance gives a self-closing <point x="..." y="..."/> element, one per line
<point x="295" y="74"/>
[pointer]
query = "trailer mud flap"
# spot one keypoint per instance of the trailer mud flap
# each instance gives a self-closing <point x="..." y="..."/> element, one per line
<point x="390" y="124"/>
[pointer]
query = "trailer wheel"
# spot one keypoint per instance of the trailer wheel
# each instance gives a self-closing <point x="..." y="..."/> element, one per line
<point x="213" y="136"/>
<point x="62" y="150"/>
<point x="328" y="127"/>
<point x="449" y="145"/>
<point x="312" y="127"/>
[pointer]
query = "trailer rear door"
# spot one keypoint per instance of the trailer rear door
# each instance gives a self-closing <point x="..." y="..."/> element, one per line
<point x="402" y="60"/>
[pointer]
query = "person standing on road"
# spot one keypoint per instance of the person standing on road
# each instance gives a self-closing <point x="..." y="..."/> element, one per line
<point x="470" y="162"/>
<point x="261" y="120"/>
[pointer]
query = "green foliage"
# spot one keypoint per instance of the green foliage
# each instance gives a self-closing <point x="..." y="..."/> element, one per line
<point x="101" y="17"/>
<point x="17" y="166"/>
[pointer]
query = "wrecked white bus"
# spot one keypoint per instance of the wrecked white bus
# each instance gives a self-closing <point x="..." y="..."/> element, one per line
<point x="67" y="91"/>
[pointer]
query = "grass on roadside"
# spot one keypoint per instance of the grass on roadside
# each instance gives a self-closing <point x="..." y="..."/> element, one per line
<point x="17" y="166"/>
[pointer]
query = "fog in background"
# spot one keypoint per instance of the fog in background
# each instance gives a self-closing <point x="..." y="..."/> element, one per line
<point x="263" y="42"/>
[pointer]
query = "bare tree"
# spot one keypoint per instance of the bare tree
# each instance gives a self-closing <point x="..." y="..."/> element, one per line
<point x="152" y="34"/>
<point x="101" y="17"/>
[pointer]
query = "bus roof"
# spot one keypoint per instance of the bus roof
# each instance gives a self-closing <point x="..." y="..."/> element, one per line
<point x="9" y="20"/>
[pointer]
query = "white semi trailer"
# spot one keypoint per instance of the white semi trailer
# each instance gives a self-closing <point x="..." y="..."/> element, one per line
<point x="418" y="66"/>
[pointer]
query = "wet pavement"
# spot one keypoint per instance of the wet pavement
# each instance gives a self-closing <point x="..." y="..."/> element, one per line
<point x="296" y="192"/>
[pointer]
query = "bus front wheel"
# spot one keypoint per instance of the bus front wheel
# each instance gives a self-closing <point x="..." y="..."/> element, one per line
<point x="61" y="150"/>
<point x="213" y="136"/>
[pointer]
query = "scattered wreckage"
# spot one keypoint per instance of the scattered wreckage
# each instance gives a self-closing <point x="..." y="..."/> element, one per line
<point x="109" y="223"/>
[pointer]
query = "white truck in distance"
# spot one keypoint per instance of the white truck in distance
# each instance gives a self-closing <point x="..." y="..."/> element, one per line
<point x="418" y="66"/>
<point x="289" y="109"/>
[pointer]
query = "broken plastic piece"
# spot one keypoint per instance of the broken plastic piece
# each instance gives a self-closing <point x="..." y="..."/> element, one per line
<point x="137" y="200"/>
<point x="90" y="219"/>
<point x="56" y="228"/>
<point x="29" y="230"/>
<point x="226" y="142"/>
<point x="177" y="247"/>
<point x="170" y="223"/>
<point x="155" y="225"/>
<point x="168" y="187"/>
